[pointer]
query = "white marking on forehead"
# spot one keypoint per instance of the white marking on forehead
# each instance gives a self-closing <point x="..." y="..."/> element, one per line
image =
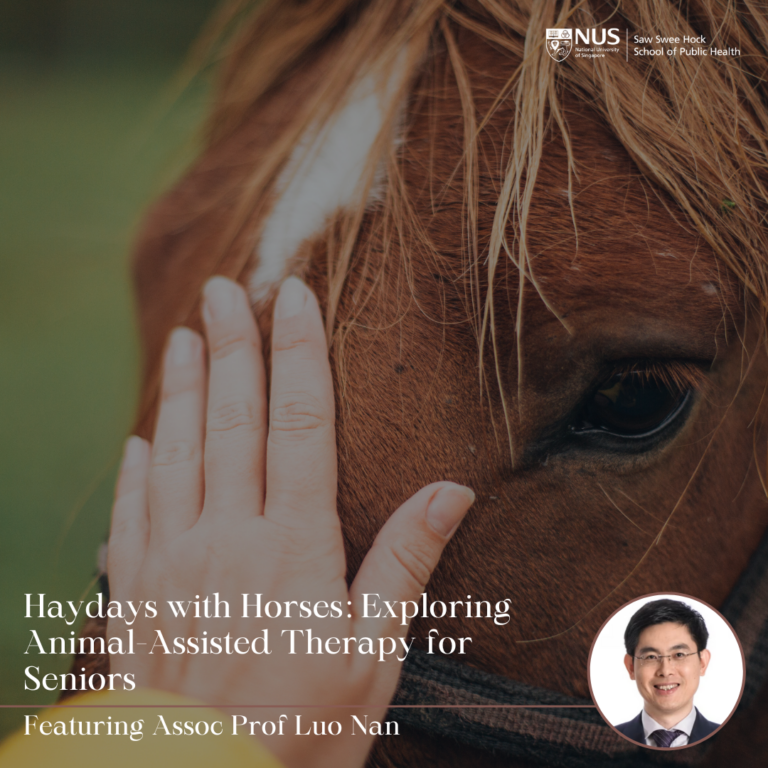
<point x="324" y="173"/>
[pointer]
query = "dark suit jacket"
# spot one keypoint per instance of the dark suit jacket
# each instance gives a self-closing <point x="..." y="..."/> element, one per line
<point x="701" y="729"/>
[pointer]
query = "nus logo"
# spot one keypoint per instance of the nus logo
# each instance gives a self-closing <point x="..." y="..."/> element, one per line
<point x="561" y="41"/>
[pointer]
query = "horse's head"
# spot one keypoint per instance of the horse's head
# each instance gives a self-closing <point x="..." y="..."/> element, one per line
<point x="608" y="421"/>
<point x="543" y="279"/>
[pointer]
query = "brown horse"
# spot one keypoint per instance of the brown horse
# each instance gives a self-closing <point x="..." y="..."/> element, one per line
<point x="542" y="279"/>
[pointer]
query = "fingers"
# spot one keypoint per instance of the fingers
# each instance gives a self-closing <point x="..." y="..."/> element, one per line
<point x="301" y="455"/>
<point x="129" y="533"/>
<point x="176" y="477"/>
<point x="407" y="550"/>
<point x="237" y="412"/>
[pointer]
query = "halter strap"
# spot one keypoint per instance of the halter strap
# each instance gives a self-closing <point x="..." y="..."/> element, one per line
<point x="568" y="737"/>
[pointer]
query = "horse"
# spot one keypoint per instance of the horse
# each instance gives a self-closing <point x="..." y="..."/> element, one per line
<point x="544" y="279"/>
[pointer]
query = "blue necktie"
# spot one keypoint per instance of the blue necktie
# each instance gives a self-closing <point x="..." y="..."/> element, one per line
<point x="664" y="738"/>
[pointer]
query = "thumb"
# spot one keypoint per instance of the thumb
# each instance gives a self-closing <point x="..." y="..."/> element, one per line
<point x="406" y="551"/>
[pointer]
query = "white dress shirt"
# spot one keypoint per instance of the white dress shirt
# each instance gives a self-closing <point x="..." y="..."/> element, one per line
<point x="685" y="725"/>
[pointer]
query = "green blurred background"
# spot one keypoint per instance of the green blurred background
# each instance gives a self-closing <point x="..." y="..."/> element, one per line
<point x="88" y="136"/>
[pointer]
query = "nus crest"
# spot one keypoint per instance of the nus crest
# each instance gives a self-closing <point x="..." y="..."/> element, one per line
<point x="559" y="43"/>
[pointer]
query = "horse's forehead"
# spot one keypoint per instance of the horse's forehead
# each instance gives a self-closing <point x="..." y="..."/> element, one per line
<point x="613" y="268"/>
<point x="599" y="238"/>
<point x="604" y="245"/>
<point x="613" y="246"/>
<point x="621" y="255"/>
<point x="612" y="224"/>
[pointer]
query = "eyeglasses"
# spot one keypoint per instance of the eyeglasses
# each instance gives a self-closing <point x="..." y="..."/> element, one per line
<point x="654" y="659"/>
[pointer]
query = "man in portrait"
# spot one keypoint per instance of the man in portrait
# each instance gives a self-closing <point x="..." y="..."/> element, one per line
<point x="666" y="644"/>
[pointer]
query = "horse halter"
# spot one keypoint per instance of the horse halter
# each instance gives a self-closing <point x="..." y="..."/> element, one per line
<point x="575" y="736"/>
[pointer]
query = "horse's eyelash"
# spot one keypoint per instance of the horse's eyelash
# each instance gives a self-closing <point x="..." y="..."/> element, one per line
<point x="675" y="374"/>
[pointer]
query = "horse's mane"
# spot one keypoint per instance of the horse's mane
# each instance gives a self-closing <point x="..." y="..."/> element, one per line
<point x="696" y="127"/>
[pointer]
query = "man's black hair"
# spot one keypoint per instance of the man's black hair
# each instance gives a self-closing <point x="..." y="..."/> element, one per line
<point x="660" y="612"/>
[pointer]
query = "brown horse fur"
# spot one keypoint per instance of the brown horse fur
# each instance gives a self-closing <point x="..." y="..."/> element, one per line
<point x="448" y="368"/>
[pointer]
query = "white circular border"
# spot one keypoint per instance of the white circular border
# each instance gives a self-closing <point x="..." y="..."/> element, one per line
<point x="616" y="696"/>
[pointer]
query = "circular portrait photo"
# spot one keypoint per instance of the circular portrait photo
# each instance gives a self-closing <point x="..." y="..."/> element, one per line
<point x="666" y="671"/>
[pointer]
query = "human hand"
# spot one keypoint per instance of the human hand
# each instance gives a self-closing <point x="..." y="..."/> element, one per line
<point x="228" y="501"/>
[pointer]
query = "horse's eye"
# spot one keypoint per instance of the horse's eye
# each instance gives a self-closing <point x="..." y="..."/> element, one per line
<point x="632" y="404"/>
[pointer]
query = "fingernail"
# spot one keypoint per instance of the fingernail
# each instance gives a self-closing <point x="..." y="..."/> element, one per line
<point x="180" y="347"/>
<point x="448" y="507"/>
<point x="291" y="299"/>
<point x="220" y="297"/>
<point x="132" y="452"/>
